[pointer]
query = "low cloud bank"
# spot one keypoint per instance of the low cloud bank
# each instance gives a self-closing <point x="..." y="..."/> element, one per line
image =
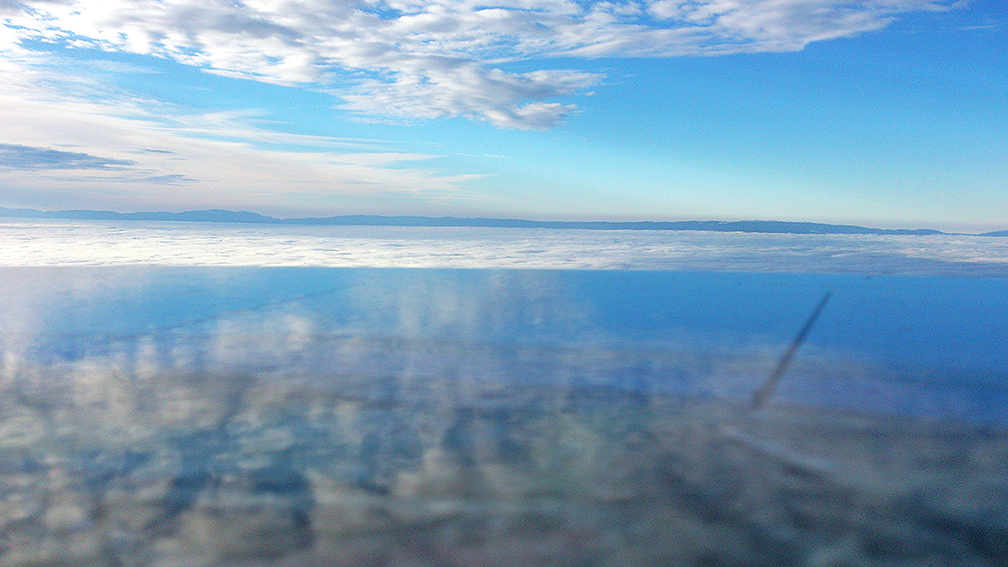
<point x="107" y="243"/>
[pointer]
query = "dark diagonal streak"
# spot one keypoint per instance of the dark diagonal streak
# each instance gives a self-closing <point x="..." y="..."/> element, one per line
<point x="761" y="396"/>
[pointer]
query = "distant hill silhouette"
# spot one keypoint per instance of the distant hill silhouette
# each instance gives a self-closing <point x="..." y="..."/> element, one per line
<point x="220" y="215"/>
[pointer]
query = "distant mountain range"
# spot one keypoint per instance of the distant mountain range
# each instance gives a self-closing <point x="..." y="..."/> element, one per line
<point x="220" y="215"/>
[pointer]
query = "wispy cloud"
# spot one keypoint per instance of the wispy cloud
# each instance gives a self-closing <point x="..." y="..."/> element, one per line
<point x="170" y="179"/>
<point x="30" y="158"/>
<point x="127" y="151"/>
<point x="431" y="58"/>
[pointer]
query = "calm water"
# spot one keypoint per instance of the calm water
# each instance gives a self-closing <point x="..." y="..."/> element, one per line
<point x="927" y="345"/>
<point x="196" y="415"/>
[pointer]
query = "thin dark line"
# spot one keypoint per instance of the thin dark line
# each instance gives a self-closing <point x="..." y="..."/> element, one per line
<point x="761" y="396"/>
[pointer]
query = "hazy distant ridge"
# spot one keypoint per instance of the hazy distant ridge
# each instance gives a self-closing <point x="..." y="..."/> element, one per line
<point x="220" y="215"/>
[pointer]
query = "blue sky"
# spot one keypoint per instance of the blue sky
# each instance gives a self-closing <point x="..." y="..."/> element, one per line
<point x="879" y="112"/>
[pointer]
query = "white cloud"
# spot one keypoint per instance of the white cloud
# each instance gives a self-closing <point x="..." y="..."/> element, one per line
<point x="100" y="147"/>
<point x="429" y="58"/>
<point x="74" y="243"/>
<point x="131" y="152"/>
<point x="454" y="88"/>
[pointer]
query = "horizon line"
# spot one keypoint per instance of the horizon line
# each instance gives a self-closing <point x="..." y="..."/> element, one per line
<point x="246" y="217"/>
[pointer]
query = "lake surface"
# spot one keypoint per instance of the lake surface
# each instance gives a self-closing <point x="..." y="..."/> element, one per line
<point x="910" y="344"/>
<point x="165" y="404"/>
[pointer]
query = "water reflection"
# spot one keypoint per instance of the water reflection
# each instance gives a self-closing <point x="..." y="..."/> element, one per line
<point x="388" y="417"/>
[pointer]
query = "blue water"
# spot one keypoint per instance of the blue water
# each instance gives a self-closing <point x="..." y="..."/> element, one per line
<point x="905" y="344"/>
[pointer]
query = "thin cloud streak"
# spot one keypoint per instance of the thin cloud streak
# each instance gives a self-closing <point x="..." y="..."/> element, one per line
<point x="28" y="158"/>
<point x="428" y="59"/>
<point x="117" y="148"/>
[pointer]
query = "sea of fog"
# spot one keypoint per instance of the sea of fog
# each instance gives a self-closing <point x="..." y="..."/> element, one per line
<point x="204" y="394"/>
<point x="104" y="243"/>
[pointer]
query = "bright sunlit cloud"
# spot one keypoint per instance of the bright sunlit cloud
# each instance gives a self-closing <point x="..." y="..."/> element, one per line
<point x="442" y="58"/>
<point x="123" y="243"/>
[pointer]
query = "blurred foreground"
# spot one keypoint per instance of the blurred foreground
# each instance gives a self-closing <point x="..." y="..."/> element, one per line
<point x="457" y="418"/>
<point x="203" y="470"/>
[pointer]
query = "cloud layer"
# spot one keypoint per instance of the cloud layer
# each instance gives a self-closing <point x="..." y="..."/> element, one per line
<point x="434" y="58"/>
<point x="81" y="243"/>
